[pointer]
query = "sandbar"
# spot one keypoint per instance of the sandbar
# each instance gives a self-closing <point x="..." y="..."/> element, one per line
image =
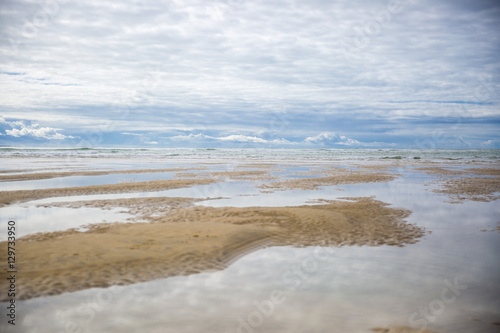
<point x="475" y="184"/>
<point x="337" y="177"/>
<point x="400" y="329"/>
<point x="9" y="197"/>
<point x="149" y="208"/>
<point x="49" y="175"/>
<point x="471" y="188"/>
<point x="192" y="239"/>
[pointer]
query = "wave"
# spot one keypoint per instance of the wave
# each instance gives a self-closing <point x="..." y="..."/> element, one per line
<point x="275" y="154"/>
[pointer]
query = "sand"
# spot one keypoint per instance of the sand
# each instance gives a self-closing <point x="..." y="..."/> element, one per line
<point x="334" y="177"/>
<point x="476" y="184"/>
<point x="470" y="188"/>
<point x="443" y="171"/>
<point x="48" y="175"/>
<point x="9" y="197"/>
<point x="246" y="174"/>
<point x="15" y="170"/>
<point x="400" y="329"/>
<point x="141" y="208"/>
<point x="192" y="239"/>
<point x="250" y="175"/>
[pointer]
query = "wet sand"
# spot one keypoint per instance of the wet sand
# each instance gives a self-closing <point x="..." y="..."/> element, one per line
<point x="246" y="175"/>
<point x="9" y="197"/>
<point x="239" y="175"/>
<point x="476" y="184"/>
<point x="334" y="177"/>
<point x="49" y="175"/>
<point x="471" y="188"/>
<point x="189" y="240"/>
<point x="141" y="208"/>
<point x="400" y="329"/>
<point x="180" y="238"/>
<point x="443" y="171"/>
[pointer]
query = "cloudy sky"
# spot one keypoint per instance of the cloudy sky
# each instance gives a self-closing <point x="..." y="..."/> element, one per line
<point x="260" y="73"/>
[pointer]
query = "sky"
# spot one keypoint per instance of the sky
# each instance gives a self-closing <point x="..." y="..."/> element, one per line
<point x="250" y="73"/>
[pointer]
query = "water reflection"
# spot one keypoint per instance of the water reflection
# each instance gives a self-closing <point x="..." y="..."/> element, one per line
<point x="31" y="219"/>
<point x="352" y="290"/>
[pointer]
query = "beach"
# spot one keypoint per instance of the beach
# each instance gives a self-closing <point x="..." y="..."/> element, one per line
<point x="140" y="219"/>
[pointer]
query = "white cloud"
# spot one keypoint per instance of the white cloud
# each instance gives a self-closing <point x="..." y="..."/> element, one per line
<point x="491" y="143"/>
<point x="229" y="138"/>
<point x="283" y="141"/>
<point x="323" y="139"/>
<point x="242" y="138"/>
<point x="20" y="129"/>
<point x="328" y="138"/>
<point x="347" y="141"/>
<point x="190" y="136"/>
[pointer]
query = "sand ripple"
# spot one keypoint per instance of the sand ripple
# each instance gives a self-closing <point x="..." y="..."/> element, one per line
<point x="189" y="240"/>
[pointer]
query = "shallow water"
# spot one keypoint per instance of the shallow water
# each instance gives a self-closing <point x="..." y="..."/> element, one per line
<point x="286" y="289"/>
<point x="31" y="219"/>
<point x="352" y="289"/>
<point x="73" y="181"/>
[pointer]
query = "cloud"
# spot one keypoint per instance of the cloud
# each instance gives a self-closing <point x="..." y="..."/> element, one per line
<point x="491" y="144"/>
<point x="38" y="132"/>
<point x="133" y="134"/>
<point x="190" y="136"/>
<point x="233" y="138"/>
<point x="20" y="129"/>
<point x="231" y="69"/>
<point x="331" y="138"/>
<point x="254" y="139"/>
<point x="242" y="138"/>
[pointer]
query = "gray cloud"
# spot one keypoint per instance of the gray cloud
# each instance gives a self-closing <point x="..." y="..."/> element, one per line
<point x="239" y="67"/>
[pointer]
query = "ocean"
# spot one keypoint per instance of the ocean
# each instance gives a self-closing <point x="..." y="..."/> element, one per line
<point x="324" y="154"/>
